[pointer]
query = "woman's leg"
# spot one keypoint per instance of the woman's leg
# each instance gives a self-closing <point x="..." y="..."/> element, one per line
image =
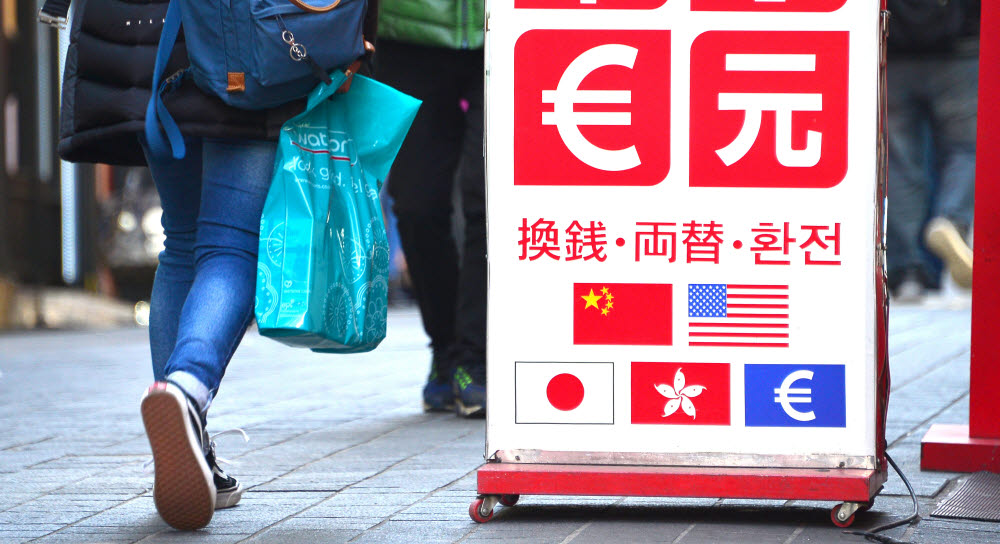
<point x="203" y="301"/>
<point x="178" y="183"/>
<point x="235" y="178"/>
<point x="183" y="489"/>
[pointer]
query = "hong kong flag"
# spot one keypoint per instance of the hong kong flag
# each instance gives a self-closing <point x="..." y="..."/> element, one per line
<point x="680" y="393"/>
<point x="622" y="314"/>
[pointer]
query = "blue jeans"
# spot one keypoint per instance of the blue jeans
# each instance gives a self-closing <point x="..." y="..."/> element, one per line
<point x="203" y="291"/>
<point x="932" y="153"/>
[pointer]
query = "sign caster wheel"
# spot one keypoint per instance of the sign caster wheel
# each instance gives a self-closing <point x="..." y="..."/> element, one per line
<point x="842" y="515"/>
<point x="509" y="500"/>
<point x="866" y="506"/>
<point x="481" y="509"/>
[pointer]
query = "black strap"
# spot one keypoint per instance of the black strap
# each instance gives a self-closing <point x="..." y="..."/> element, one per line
<point x="54" y="12"/>
<point x="317" y="70"/>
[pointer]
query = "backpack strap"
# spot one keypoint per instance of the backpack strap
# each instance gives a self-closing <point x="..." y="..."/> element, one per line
<point x="156" y="112"/>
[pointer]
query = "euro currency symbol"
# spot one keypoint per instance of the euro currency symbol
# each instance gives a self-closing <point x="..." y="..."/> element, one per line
<point x="567" y="94"/>
<point x="786" y="401"/>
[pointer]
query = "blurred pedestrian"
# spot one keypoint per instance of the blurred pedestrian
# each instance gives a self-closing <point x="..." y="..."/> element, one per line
<point x="433" y="50"/>
<point x="203" y="291"/>
<point x="932" y="82"/>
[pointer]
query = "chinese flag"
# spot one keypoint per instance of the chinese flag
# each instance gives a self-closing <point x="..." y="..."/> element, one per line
<point x="622" y="314"/>
<point x="680" y="393"/>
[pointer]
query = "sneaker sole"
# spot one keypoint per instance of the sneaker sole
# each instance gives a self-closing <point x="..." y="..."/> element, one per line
<point x="183" y="492"/>
<point x="438" y="407"/>
<point x="944" y="240"/>
<point x="229" y="498"/>
<point x="476" y="410"/>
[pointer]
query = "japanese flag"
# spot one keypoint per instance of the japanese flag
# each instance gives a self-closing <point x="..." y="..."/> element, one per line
<point x="581" y="393"/>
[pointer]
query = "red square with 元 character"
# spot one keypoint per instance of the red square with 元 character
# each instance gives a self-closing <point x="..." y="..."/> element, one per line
<point x="769" y="109"/>
<point x="592" y="107"/>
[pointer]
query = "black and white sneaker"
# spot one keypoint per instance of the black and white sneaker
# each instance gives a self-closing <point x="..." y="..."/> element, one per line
<point x="183" y="488"/>
<point x="228" y="490"/>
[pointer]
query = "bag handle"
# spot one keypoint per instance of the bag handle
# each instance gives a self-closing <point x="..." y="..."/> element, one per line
<point x="314" y="9"/>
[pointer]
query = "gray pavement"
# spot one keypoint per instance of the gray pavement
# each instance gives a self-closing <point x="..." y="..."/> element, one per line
<point x="340" y="451"/>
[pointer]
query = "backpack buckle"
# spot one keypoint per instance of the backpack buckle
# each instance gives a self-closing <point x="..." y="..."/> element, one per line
<point x="51" y="20"/>
<point x="295" y="50"/>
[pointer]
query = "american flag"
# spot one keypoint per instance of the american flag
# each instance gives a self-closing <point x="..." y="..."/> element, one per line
<point x="742" y="315"/>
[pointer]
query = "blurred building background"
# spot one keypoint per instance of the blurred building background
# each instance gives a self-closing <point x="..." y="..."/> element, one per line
<point x="78" y="242"/>
<point x="74" y="248"/>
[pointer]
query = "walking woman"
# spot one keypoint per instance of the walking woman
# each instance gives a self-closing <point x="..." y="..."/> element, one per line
<point x="203" y="291"/>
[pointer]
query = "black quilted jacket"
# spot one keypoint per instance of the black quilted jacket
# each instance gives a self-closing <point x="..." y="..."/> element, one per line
<point x="107" y="84"/>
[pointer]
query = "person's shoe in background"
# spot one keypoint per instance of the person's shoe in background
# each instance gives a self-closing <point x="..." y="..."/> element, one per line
<point x="469" y="383"/>
<point x="908" y="288"/>
<point x="438" y="393"/>
<point x="945" y="240"/>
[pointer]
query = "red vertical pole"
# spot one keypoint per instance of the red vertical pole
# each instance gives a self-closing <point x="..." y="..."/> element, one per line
<point x="966" y="448"/>
<point x="985" y="377"/>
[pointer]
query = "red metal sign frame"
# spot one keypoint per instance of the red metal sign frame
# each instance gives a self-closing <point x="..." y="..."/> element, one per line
<point x="647" y="481"/>
<point x="976" y="446"/>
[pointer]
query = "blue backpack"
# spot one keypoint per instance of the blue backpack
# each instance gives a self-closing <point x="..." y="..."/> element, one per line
<point x="253" y="54"/>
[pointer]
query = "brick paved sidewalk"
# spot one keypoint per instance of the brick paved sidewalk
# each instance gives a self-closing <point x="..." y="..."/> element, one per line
<point x="341" y="452"/>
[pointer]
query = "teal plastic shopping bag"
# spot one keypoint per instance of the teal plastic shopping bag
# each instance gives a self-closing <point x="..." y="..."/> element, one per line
<point x="323" y="264"/>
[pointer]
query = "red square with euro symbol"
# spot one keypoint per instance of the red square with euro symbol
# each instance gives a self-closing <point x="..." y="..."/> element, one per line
<point x="588" y="4"/>
<point x="592" y="107"/>
<point x="769" y="109"/>
<point x="768" y="5"/>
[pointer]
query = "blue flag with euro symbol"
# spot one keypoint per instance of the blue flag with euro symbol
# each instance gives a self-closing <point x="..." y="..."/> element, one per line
<point x="795" y="395"/>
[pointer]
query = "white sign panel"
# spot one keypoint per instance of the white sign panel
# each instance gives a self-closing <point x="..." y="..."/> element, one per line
<point x="681" y="203"/>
